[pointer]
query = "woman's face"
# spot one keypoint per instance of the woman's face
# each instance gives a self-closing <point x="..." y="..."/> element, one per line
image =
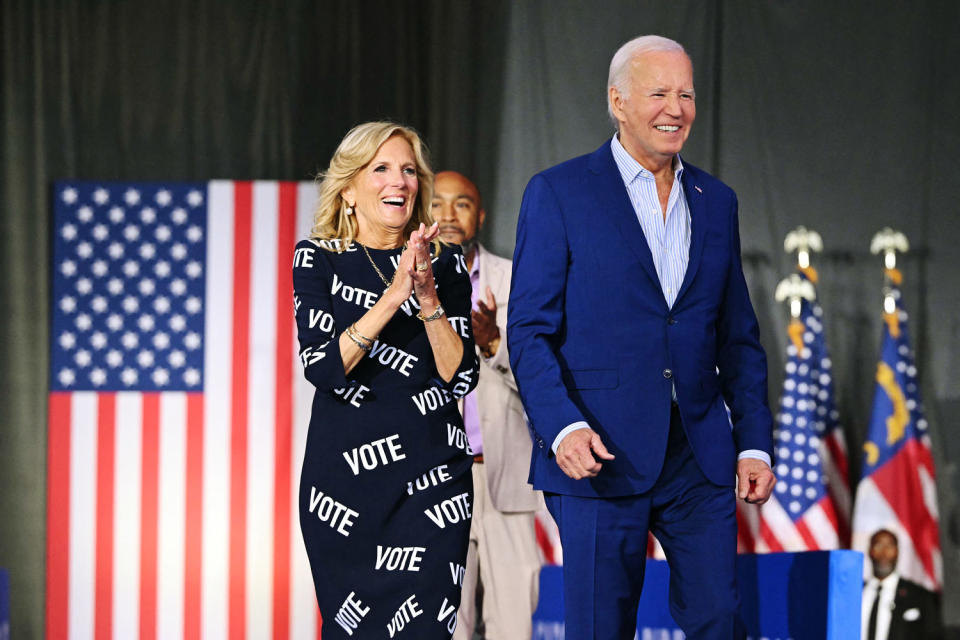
<point x="384" y="192"/>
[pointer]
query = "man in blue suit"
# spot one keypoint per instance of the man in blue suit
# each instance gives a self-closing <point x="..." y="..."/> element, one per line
<point x="630" y="325"/>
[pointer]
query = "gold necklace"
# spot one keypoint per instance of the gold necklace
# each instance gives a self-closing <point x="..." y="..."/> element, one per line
<point x="376" y="268"/>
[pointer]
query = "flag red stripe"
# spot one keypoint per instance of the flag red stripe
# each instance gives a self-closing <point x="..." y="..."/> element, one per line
<point x="286" y="239"/>
<point x="745" y="538"/>
<point x="899" y="482"/>
<point x="58" y="515"/>
<point x="769" y="538"/>
<point x="243" y="214"/>
<point x="149" y="514"/>
<point x="543" y="540"/>
<point x="193" y="549"/>
<point x="103" y="586"/>
<point x="806" y="534"/>
<point x="838" y="455"/>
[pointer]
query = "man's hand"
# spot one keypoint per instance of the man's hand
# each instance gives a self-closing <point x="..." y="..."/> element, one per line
<point x="755" y="480"/>
<point x="576" y="454"/>
<point x="484" y="321"/>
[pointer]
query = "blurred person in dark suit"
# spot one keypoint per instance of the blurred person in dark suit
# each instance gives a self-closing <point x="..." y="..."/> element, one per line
<point x="895" y="608"/>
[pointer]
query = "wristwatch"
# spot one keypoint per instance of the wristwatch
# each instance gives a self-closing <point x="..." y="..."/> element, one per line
<point x="433" y="316"/>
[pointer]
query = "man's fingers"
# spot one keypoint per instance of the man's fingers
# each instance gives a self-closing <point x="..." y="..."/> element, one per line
<point x="763" y="487"/>
<point x="598" y="448"/>
<point x="491" y="301"/>
<point x="578" y="452"/>
<point x="743" y="484"/>
<point x="755" y="481"/>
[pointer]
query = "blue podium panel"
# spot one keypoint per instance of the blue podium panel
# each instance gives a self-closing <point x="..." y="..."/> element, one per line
<point x="4" y="605"/>
<point x="796" y="596"/>
<point x="548" y="618"/>
<point x="801" y="595"/>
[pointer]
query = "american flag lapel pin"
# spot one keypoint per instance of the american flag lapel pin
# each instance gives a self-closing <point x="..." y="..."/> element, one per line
<point x="698" y="188"/>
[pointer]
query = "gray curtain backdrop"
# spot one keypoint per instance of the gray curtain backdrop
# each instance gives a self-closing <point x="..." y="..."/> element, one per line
<point x="839" y="116"/>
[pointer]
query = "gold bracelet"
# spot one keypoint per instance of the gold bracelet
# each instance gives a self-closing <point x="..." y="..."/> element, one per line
<point x="356" y="340"/>
<point x="353" y="328"/>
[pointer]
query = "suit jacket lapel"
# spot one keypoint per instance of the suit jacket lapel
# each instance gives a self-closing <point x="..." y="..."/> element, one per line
<point x="697" y="203"/>
<point x="614" y="200"/>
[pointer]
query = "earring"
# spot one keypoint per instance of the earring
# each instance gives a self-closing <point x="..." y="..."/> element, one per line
<point x="349" y="210"/>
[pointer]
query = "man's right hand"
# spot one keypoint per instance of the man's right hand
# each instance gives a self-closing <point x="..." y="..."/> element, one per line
<point x="577" y="454"/>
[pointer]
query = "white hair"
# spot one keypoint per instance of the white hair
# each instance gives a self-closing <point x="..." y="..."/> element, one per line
<point x="620" y="64"/>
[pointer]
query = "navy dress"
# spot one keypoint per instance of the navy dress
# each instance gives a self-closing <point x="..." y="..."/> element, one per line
<point x="385" y="492"/>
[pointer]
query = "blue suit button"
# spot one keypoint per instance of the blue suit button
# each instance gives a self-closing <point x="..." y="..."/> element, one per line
<point x="671" y="320"/>
<point x="667" y="374"/>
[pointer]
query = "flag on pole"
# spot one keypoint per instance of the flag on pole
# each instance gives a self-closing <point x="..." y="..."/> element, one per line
<point x="897" y="488"/>
<point x="810" y="506"/>
<point x="177" y="413"/>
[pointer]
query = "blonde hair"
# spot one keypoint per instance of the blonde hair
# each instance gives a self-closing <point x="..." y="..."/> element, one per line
<point x="356" y="151"/>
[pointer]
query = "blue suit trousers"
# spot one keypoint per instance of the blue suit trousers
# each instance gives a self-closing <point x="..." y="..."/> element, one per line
<point x="604" y="552"/>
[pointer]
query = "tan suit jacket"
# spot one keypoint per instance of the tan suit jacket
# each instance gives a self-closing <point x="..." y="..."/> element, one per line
<point x="503" y="425"/>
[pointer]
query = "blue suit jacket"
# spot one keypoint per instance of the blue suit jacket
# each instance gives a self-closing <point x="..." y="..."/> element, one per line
<point x="591" y="337"/>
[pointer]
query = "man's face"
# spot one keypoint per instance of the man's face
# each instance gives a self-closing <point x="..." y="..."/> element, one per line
<point x="883" y="554"/>
<point x="456" y="207"/>
<point x="656" y="114"/>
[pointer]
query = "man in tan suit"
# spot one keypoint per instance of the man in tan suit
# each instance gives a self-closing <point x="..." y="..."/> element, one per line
<point x="502" y="556"/>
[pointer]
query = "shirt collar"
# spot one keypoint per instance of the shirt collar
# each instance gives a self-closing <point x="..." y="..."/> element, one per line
<point x="475" y="269"/>
<point x="630" y="169"/>
<point x="889" y="582"/>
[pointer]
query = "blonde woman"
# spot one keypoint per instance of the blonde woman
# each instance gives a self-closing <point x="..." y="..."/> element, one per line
<point x="383" y="319"/>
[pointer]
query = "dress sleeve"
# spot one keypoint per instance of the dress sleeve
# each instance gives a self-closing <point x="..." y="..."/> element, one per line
<point x="453" y="289"/>
<point x="316" y="326"/>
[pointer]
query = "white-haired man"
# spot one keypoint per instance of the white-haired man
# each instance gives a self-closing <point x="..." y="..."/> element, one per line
<point x="630" y="325"/>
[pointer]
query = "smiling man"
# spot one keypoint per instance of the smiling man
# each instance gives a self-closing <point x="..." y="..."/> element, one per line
<point x="502" y="554"/>
<point x="630" y="326"/>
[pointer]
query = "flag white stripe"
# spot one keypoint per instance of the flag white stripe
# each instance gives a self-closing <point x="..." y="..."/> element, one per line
<point x="83" y="500"/>
<point x="218" y="363"/>
<point x="821" y="528"/>
<point x="126" y="515"/>
<point x="261" y="411"/>
<point x="303" y="598"/>
<point x="171" y="514"/>
<point x="782" y="526"/>
<point x="306" y="203"/>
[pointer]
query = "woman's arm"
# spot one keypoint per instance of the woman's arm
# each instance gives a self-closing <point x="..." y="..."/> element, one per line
<point x="368" y="327"/>
<point x="321" y="338"/>
<point x="447" y="346"/>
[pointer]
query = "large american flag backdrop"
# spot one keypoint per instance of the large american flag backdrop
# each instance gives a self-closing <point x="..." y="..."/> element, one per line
<point x="897" y="488"/>
<point x="809" y="509"/>
<point x="177" y="413"/>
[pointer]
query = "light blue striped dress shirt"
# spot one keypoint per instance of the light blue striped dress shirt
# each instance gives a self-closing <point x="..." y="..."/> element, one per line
<point x="668" y="239"/>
